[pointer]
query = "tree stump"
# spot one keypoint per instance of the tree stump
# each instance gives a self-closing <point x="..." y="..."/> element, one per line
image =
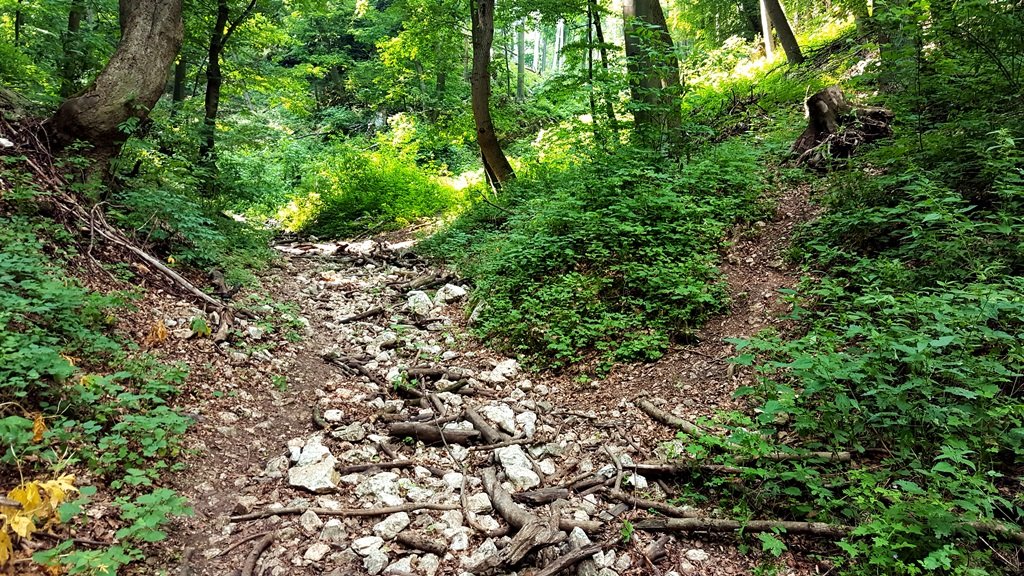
<point x="836" y="128"/>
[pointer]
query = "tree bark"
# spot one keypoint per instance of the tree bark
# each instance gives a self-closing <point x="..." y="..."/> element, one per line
<point x="222" y="32"/>
<point x="71" y="67"/>
<point x="133" y="80"/>
<point x="766" y="31"/>
<point x="495" y="162"/>
<point x="609" y="96"/>
<point x="19" y="22"/>
<point x="653" y="73"/>
<point x="786" y="37"/>
<point x="521" y="62"/>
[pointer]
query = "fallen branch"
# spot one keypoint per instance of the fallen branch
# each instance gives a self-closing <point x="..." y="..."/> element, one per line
<point x="574" y="557"/>
<point x="668" y="419"/>
<point x="431" y="434"/>
<point x="542" y="496"/>
<point x="248" y="538"/>
<point x="490" y="433"/>
<point x="363" y="316"/>
<point x="718" y="525"/>
<point x="344" y="512"/>
<point x="254" y="556"/>
<point x="532" y="531"/>
<point x="516" y="515"/>
<point x="642" y="503"/>
<point x="355" y="468"/>
<point x="420" y="541"/>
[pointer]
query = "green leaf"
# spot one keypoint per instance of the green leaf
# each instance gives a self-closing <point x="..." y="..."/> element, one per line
<point x="771" y="544"/>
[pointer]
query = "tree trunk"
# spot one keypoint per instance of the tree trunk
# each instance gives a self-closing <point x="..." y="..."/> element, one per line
<point x="521" y="62"/>
<point x="590" y="70"/>
<point x="766" y="31"/>
<point x="180" y="77"/>
<point x="19" y="22"/>
<point x="495" y="163"/>
<point x="653" y="74"/>
<point x="222" y="32"/>
<point x="559" y="44"/>
<point x="786" y="37"/>
<point x="609" y="95"/>
<point x="71" y="68"/>
<point x="543" y="65"/>
<point x="133" y="80"/>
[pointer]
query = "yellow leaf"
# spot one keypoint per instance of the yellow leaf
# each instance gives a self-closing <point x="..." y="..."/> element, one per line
<point x="38" y="428"/>
<point x="22" y="525"/>
<point x="58" y="489"/>
<point x="6" y="548"/>
<point x="170" y="259"/>
<point x="69" y="359"/>
<point x="28" y="495"/>
<point x="157" y="334"/>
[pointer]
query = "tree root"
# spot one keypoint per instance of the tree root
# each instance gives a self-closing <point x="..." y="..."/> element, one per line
<point x="344" y="512"/>
<point x="254" y="556"/>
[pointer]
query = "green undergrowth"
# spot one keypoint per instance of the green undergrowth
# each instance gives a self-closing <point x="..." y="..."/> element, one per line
<point x="608" y="253"/>
<point x="910" y="357"/>
<point x="74" y="396"/>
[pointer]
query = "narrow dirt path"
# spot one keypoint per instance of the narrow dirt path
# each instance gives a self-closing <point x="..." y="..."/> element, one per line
<point x="354" y="426"/>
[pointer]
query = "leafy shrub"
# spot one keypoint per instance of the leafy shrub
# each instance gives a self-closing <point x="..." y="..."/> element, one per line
<point x="346" y="191"/>
<point x="608" y="254"/>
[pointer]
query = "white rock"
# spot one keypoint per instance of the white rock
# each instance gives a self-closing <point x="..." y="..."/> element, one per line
<point x="392" y="525"/>
<point x="622" y="563"/>
<point x="429" y="564"/>
<point x="402" y="566"/>
<point x="255" y="332"/>
<point x="638" y="481"/>
<point x="354" y="432"/>
<point x="320" y="477"/>
<point x="453" y="480"/>
<point x="228" y="417"/>
<point x="310" y="521"/>
<point x="5" y="143"/>
<point x="697" y="555"/>
<point x="528" y="420"/>
<point x="382" y="486"/>
<point x="505" y="371"/>
<point x="276" y="467"/>
<point x="449" y="356"/>
<point x="579" y="538"/>
<point x="334" y="531"/>
<point x="334" y="415"/>
<point x="460" y="539"/>
<point x="375" y="562"/>
<point x="479" y="503"/>
<point x="314" y="451"/>
<point x="488" y="523"/>
<point x="485" y="551"/>
<point x="517" y="467"/>
<point x="419" y="303"/>
<point x="316" y="552"/>
<point x="502" y="415"/>
<point x="367" y="545"/>
<point x="449" y="293"/>
<point x="547" y="466"/>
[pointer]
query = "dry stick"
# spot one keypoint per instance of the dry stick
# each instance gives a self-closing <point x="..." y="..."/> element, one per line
<point x="248" y="538"/>
<point x="505" y="444"/>
<point x="254" y="556"/>
<point x="572" y="558"/>
<point x="668" y="419"/>
<point x="657" y="549"/>
<point x="363" y="316"/>
<point x="542" y="496"/>
<point x="420" y="541"/>
<point x="516" y="515"/>
<point x="617" y="463"/>
<point x="662" y="507"/>
<point x="344" y="512"/>
<point x="346" y="470"/>
<point x="490" y="433"/>
<point x="717" y="525"/>
<point x="431" y="434"/>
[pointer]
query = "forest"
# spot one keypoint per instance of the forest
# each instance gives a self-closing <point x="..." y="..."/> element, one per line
<point x="530" y="287"/>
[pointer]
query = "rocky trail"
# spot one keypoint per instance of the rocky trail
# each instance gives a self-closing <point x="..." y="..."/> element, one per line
<point x="388" y="441"/>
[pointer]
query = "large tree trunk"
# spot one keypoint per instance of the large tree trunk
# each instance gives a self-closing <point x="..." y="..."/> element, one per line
<point x="653" y="74"/>
<point x="786" y="36"/>
<point x="495" y="163"/>
<point x="766" y="32"/>
<point x="133" y="80"/>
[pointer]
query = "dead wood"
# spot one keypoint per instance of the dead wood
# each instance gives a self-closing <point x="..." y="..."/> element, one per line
<point x="541" y="497"/>
<point x="574" y="557"/>
<point x="516" y="515"/>
<point x="718" y="525"/>
<point x="657" y="549"/>
<point x="836" y="128"/>
<point x="245" y="539"/>
<point x="510" y="442"/>
<point x="357" y="366"/>
<point x="420" y="541"/>
<point x="355" y="468"/>
<point x="668" y="419"/>
<point x="363" y="316"/>
<point x="254" y="556"/>
<point x="431" y="434"/>
<point x="662" y="507"/>
<point x="490" y="433"/>
<point x="344" y="512"/>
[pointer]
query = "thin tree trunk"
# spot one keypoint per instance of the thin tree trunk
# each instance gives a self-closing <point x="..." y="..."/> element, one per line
<point x="495" y="162"/>
<point x="133" y="79"/>
<point x="521" y="62"/>
<point x="180" y="78"/>
<point x="590" y="70"/>
<point x="786" y="36"/>
<point x="559" y="44"/>
<point x="609" y="98"/>
<point x="19" y="22"/>
<point x="766" y="32"/>
<point x="222" y="32"/>
<point x="543" y="66"/>
<point x="71" y="64"/>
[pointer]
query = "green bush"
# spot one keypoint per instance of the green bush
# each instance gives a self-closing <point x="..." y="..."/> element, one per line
<point x="346" y="190"/>
<point x="608" y="254"/>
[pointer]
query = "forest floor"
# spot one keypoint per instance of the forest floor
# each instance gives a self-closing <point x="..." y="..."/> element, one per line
<point x="338" y="411"/>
